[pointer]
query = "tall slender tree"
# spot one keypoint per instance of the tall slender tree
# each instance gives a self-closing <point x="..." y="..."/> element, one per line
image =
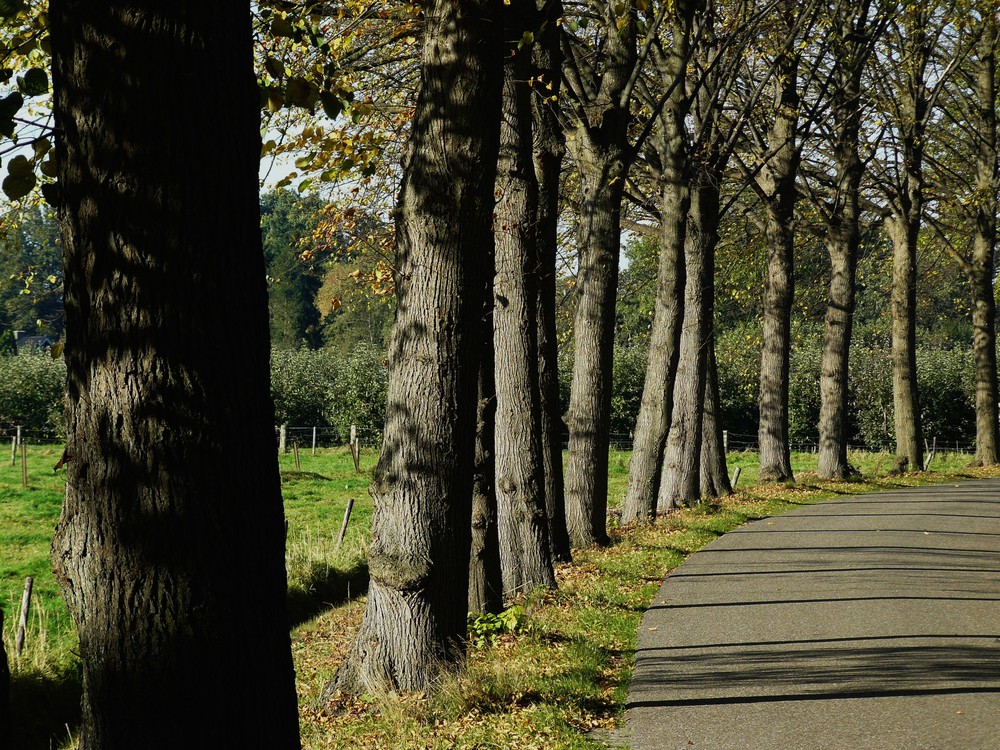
<point x="525" y="555"/>
<point x="670" y="146"/>
<point x="853" y="27"/>
<point x="600" y="95"/>
<point x="171" y="472"/>
<point x="549" y="149"/>
<point x="414" y="624"/>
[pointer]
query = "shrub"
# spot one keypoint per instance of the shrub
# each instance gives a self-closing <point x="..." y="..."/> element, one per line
<point x="324" y="389"/>
<point x="31" y="393"/>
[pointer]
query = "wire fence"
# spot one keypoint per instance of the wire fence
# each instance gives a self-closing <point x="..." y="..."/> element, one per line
<point x="314" y="437"/>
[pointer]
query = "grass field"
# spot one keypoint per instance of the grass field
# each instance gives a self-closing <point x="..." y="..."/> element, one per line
<point x="556" y="670"/>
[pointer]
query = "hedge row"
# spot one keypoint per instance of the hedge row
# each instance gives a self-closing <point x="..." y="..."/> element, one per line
<point x="321" y="388"/>
<point x="310" y="388"/>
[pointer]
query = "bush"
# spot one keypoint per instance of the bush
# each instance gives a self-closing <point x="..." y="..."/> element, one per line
<point x="324" y="389"/>
<point x="31" y="393"/>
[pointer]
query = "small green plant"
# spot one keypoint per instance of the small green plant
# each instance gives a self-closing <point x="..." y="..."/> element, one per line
<point x="486" y="628"/>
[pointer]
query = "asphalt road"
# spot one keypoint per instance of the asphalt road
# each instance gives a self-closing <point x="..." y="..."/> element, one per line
<point x="869" y="622"/>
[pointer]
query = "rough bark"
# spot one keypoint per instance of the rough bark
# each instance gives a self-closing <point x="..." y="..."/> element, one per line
<point x="714" y="474"/>
<point x="171" y="474"/>
<point x="981" y="270"/>
<point x="485" y="583"/>
<point x="842" y="237"/>
<point x="414" y="624"/>
<point x="906" y="204"/>
<point x="549" y="151"/>
<point x="600" y="149"/>
<point x="903" y="231"/>
<point x="680" y="483"/>
<point x="776" y="186"/>
<point x="656" y="407"/>
<point x="525" y="557"/>
<point x="5" y="729"/>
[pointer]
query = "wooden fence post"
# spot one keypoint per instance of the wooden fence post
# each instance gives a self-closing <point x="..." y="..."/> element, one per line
<point x="23" y="622"/>
<point x="24" y="465"/>
<point x="314" y="440"/>
<point x="347" y="518"/>
<point x="283" y="439"/>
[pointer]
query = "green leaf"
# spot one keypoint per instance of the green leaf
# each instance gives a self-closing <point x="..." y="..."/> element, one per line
<point x="10" y="105"/>
<point x="52" y="193"/>
<point x="19" y="166"/>
<point x="48" y="168"/>
<point x="300" y="92"/>
<point x="332" y="105"/>
<point x="34" y="83"/>
<point x="274" y="67"/>
<point x="281" y="27"/>
<point x="16" y="187"/>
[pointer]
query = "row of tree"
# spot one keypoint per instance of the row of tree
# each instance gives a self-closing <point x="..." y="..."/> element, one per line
<point x="816" y="122"/>
<point x="694" y="111"/>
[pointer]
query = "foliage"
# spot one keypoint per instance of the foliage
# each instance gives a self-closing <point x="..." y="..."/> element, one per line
<point x="31" y="272"/>
<point x="485" y="627"/>
<point x="325" y="389"/>
<point x="31" y="393"/>
<point x="293" y="273"/>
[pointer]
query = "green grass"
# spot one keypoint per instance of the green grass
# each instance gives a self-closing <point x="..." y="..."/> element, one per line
<point x="562" y="673"/>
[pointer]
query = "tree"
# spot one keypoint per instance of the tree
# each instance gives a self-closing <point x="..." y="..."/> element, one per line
<point x="414" y="624"/>
<point x="655" y="413"/>
<point x="599" y="84"/>
<point x="525" y="555"/>
<point x="4" y="694"/>
<point x="852" y="29"/>
<point x="549" y="149"/>
<point x="778" y="152"/>
<point x="170" y="547"/>
<point x="293" y="278"/>
<point x="981" y="270"/>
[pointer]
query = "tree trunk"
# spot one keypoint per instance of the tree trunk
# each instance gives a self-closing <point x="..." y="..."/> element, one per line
<point x="589" y="416"/>
<point x="842" y="237"/>
<point x="485" y="583"/>
<point x="906" y="405"/>
<point x="414" y="625"/>
<point x="171" y="474"/>
<point x="776" y="183"/>
<point x="984" y="246"/>
<point x="549" y="150"/>
<point x="525" y="557"/>
<point x="5" y="729"/>
<point x="833" y="425"/>
<point x="714" y="475"/>
<point x="656" y="407"/>
<point x="599" y="146"/>
<point x="681" y="480"/>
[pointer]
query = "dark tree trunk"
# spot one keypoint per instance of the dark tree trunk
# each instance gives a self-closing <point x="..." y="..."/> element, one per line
<point x="525" y="557"/>
<point x="981" y="272"/>
<point x="5" y="729"/>
<point x="171" y="474"/>
<point x="549" y="150"/>
<point x="842" y="236"/>
<point x="656" y="407"/>
<point x="414" y="624"/>
<point x="776" y="185"/>
<point x="714" y="472"/>
<point x="599" y="147"/>
<point x="485" y="583"/>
